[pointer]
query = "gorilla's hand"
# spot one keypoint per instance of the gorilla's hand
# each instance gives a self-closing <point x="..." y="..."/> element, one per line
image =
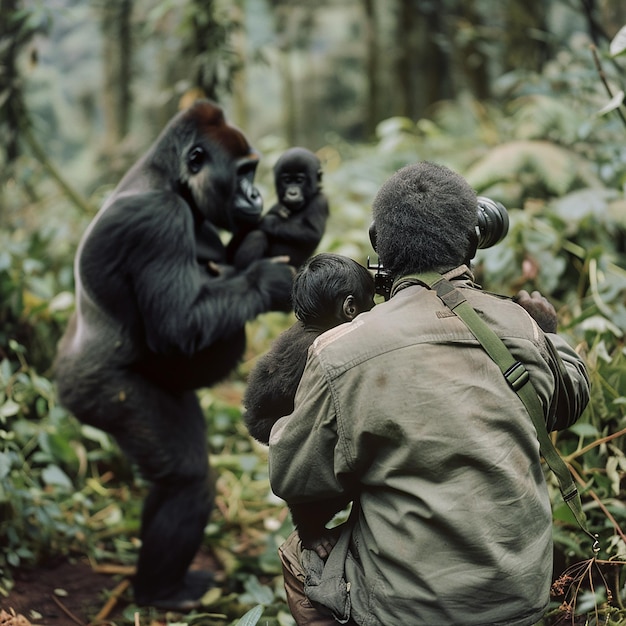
<point x="539" y="309"/>
<point x="219" y="270"/>
<point x="273" y="278"/>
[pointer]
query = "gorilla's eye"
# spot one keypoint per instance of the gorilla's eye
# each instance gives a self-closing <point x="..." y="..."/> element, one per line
<point x="195" y="159"/>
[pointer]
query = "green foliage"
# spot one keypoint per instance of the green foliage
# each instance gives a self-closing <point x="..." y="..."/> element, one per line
<point x="33" y="486"/>
<point x="47" y="460"/>
<point x="16" y="29"/>
<point x="206" y="30"/>
<point x="34" y="309"/>
<point x="40" y="457"/>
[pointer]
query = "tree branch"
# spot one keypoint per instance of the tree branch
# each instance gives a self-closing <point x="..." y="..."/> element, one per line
<point x="596" y="59"/>
<point x="40" y="154"/>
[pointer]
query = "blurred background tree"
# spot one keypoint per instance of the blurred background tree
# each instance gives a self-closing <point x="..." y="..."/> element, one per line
<point x="296" y="69"/>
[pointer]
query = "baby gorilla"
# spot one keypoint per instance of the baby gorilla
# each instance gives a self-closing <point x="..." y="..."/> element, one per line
<point x="329" y="290"/>
<point x="295" y="225"/>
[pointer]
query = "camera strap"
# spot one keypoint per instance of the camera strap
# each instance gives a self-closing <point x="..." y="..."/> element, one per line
<point x="518" y="379"/>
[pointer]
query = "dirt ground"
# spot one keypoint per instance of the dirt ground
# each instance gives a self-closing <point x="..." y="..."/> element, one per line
<point x="69" y="592"/>
<point x="65" y="593"/>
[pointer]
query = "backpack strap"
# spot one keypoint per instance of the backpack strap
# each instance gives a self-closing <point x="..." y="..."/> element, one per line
<point x="518" y="379"/>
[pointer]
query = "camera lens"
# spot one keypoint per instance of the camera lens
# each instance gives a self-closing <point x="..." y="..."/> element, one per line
<point x="493" y="222"/>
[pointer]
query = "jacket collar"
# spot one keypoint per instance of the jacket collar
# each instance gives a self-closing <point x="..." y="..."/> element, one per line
<point x="462" y="275"/>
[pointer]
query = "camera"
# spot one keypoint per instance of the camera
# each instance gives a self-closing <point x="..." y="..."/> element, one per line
<point x="493" y="222"/>
<point x="492" y="227"/>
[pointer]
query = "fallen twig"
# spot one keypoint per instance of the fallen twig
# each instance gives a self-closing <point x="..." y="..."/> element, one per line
<point x="67" y="612"/>
<point x="112" y="568"/>
<point x="105" y="611"/>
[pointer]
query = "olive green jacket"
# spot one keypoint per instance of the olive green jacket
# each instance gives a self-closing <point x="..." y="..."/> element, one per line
<point x="403" y="410"/>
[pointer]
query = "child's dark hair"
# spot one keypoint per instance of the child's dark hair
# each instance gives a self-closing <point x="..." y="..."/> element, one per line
<point x="322" y="284"/>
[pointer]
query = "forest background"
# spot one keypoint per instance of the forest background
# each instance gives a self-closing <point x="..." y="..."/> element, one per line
<point x="525" y="98"/>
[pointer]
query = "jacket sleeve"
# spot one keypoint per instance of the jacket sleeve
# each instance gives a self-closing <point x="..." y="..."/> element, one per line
<point x="306" y="460"/>
<point x="571" y="393"/>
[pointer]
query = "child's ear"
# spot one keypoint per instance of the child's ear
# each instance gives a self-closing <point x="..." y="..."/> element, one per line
<point x="349" y="308"/>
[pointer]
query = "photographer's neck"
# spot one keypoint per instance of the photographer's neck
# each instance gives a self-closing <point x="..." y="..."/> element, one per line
<point x="462" y="272"/>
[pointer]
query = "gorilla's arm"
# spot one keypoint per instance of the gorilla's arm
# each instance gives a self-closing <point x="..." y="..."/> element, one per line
<point x="209" y="246"/>
<point x="252" y="247"/>
<point x="304" y="227"/>
<point x="182" y="308"/>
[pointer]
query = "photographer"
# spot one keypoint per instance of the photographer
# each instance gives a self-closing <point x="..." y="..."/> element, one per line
<point x="451" y="521"/>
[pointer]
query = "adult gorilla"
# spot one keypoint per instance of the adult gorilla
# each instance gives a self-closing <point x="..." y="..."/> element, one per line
<point x="151" y="325"/>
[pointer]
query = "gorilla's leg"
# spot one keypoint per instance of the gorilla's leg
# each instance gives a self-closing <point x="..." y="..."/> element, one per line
<point x="172" y="529"/>
<point x="165" y="435"/>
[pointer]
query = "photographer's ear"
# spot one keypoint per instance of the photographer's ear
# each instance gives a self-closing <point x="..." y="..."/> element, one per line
<point x="473" y="247"/>
<point x="372" y="234"/>
<point x="349" y="308"/>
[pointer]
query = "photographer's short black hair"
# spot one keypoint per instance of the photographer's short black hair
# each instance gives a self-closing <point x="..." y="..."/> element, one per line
<point x="322" y="284"/>
<point x="425" y="218"/>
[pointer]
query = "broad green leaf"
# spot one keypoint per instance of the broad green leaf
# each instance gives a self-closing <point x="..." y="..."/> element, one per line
<point x="9" y="408"/>
<point x="587" y="600"/>
<point x="251" y="617"/>
<point x="63" y="301"/>
<point x="97" y="435"/>
<point x="58" y="446"/>
<point x="394" y="125"/>
<point x="53" y="475"/>
<point x="554" y="167"/>
<point x="211" y="596"/>
<point x="285" y="619"/>
<point x="618" y="44"/>
<point x="584" y="430"/>
<point x="5" y="371"/>
<point x="5" y="465"/>
<point x="5" y="261"/>
<point x="613" y="474"/>
<point x="261" y="593"/>
<point x="615" y="102"/>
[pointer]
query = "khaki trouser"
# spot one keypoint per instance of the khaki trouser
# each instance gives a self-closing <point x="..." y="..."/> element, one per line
<point x="302" y="610"/>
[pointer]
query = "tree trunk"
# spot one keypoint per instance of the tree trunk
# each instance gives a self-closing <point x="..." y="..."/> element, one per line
<point x="11" y="105"/>
<point x="405" y="58"/>
<point x="522" y="49"/>
<point x="116" y="30"/>
<point x="289" y="98"/>
<point x="371" y="63"/>
<point x="240" y="111"/>
<point x="473" y="61"/>
<point x="423" y="67"/>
